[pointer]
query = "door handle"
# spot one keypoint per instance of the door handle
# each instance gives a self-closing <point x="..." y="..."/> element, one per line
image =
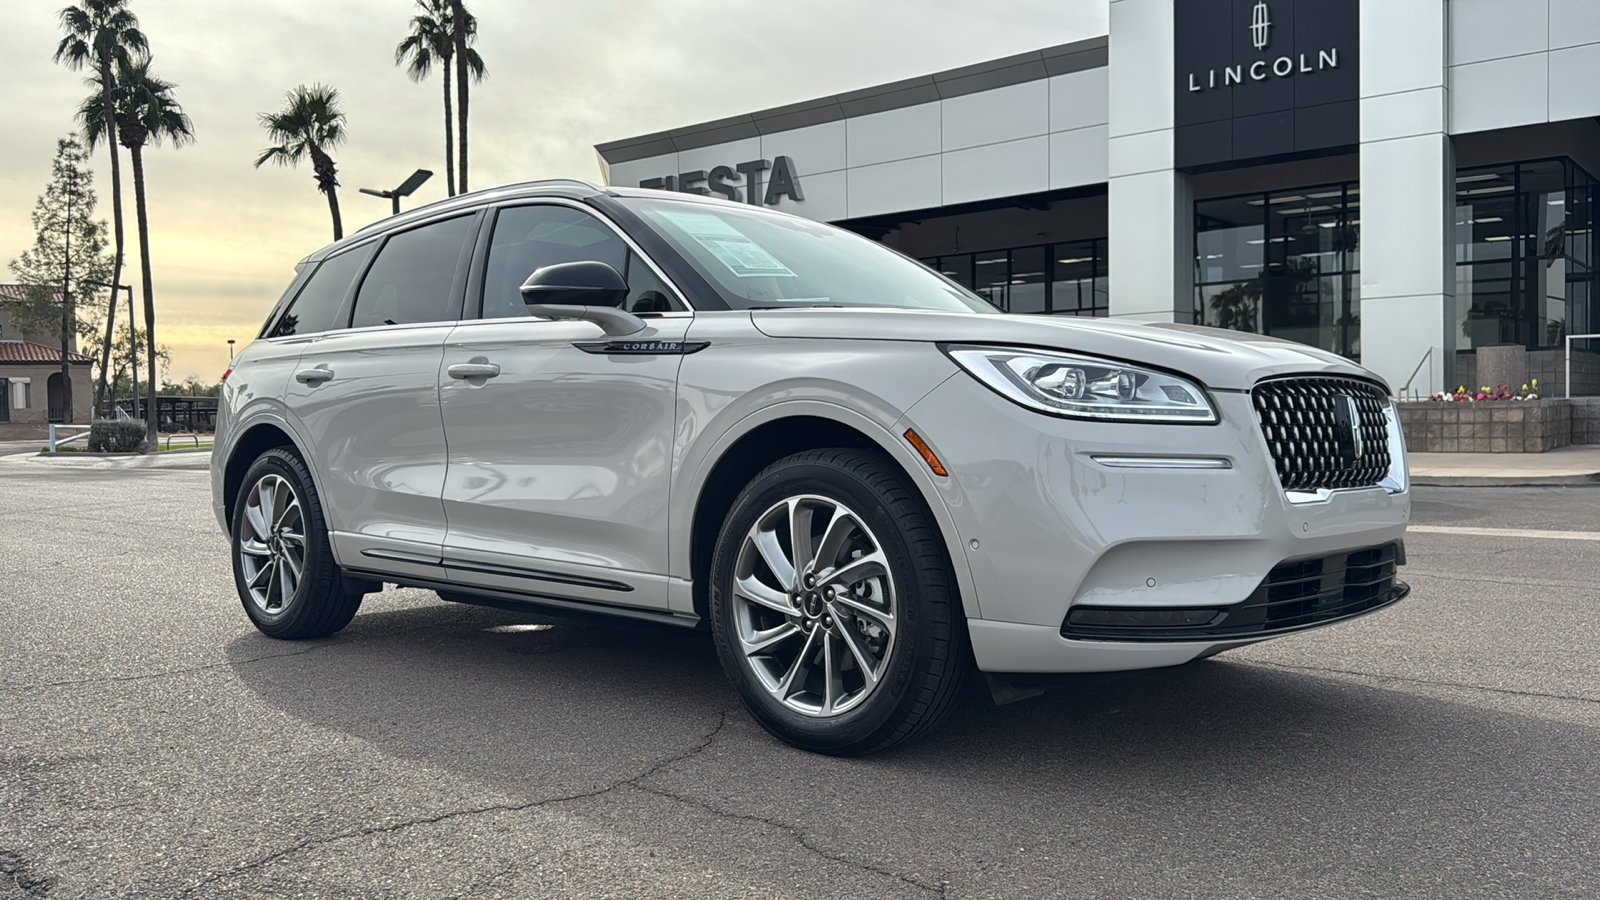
<point x="473" y="370"/>
<point x="313" y="376"/>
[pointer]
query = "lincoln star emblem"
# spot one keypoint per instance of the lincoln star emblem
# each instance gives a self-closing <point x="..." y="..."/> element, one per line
<point x="1261" y="25"/>
<point x="1347" y="417"/>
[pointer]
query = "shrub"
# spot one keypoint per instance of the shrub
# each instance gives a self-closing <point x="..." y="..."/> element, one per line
<point x="116" y="436"/>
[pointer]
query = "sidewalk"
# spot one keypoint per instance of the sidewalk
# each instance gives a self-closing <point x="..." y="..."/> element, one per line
<point x="176" y="459"/>
<point x="1567" y="466"/>
<point x="34" y="446"/>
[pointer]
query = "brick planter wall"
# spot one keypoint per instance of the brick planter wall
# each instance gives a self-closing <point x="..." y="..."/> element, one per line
<point x="1493" y="426"/>
<point x="1586" y="420"/>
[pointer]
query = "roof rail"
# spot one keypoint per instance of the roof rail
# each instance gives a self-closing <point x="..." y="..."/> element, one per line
<point x="463" y="199"/>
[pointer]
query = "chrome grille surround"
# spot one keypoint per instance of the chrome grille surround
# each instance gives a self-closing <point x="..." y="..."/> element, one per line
<point x="1300" y="419"/>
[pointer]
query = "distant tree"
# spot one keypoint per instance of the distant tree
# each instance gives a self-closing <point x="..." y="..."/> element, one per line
<point x="432" y="39"/>
<point x="193" y="386"/>
<point x="69" y="247"/>
<point x="310" y="124"/>
<point x="145" y="113"/>
<point x="104" y="35"/>
<point x="123" y="360"/>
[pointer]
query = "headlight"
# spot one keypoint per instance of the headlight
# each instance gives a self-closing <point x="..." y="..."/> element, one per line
<point x="1082" y="387"/>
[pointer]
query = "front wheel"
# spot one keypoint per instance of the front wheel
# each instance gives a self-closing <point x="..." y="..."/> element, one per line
<point x="833" y="606"/>
<point x="282" y="565"/>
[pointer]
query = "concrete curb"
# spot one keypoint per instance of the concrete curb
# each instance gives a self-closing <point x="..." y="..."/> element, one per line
<point x="1574" y="480"/>
<point x="173" y="459"/>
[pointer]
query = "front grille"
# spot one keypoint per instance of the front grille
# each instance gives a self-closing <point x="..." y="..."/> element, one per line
<point x="1295" y="595"/>
<point x="1312" y="437"/>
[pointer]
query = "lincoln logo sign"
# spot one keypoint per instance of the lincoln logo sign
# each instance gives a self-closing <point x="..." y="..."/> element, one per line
<point x="721" y="180"/>
<point x="1261" y="25"/>
<point x="1263" y="69"/>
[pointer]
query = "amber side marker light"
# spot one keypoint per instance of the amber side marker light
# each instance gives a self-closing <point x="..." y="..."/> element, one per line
<point x="927" y="454"/>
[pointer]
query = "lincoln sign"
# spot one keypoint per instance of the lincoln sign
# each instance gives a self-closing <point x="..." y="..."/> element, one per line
<point x="1265" y="78"/>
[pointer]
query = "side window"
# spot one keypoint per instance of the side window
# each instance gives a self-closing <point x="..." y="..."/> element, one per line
<point x="319" y="301"/>
<point x="527" y="238"/>
<point x="410" y="281"/>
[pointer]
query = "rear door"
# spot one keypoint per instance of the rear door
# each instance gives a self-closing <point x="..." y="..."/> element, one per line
<point x="560" y="462"/>
<point x="366" y="397"/>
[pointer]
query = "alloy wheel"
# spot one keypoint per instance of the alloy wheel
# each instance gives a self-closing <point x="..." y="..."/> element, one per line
<point x="272" y="549"/>
<point x="814" y="605"/>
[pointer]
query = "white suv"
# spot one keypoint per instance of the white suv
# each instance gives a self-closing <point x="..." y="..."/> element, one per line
<point x="860" y="477"/>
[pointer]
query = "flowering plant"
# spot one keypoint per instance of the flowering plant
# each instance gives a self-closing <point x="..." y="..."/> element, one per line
<point x="1503" y="392"/>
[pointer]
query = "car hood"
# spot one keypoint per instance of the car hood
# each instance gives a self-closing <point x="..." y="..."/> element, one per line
<point x="1227" y="360"/>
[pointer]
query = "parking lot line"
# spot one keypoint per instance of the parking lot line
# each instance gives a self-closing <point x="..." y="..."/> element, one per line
<point x="1507" y="532"/>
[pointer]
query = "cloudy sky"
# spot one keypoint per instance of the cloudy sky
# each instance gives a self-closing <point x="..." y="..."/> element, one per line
<point x="563" y="76"/>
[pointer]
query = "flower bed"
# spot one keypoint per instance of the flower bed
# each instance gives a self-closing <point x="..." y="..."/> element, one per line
<point x="1486" y="426"/>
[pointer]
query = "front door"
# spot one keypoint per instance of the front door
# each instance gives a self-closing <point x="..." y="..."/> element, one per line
<point x="560" y="461"/>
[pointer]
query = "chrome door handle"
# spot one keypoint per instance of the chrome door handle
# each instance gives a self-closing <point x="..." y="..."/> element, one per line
<point x="473" y="370"/>
<point x="313" y="376"/>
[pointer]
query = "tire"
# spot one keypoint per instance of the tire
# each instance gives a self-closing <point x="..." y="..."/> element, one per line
<point x="873" y="650"/>
<point x="276" y="499"/>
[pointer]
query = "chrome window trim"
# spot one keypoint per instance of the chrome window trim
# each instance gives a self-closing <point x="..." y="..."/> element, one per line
<point x="688" y="308"/>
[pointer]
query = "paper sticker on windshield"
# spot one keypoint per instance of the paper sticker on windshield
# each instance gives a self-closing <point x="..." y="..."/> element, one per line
<point x="733" y="248"/>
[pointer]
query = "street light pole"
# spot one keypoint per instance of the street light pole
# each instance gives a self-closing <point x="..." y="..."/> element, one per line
<point x="133" y="341"/>
<point x="230" y="351"/>
<point x="404" y="190"/>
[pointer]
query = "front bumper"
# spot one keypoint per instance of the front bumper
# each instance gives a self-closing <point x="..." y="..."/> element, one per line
<point x="1047" y="526"/>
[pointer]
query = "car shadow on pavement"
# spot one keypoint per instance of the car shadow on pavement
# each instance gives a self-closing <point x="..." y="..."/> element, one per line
<point x="1188" y="767"/>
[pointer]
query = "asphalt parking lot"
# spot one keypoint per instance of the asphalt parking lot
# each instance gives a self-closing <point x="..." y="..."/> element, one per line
<point x="152" y="744"/>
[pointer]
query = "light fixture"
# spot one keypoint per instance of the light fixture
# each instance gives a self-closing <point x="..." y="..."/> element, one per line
<point x="404" y="190"/>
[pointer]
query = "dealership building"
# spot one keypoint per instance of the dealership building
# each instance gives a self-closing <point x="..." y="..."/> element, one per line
<point x="1398" y="181"/>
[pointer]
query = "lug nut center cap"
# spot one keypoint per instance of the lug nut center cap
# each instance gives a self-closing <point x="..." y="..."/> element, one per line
<point x="812" y="603"/>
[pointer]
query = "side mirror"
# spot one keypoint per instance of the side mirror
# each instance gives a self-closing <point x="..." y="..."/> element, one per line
<point x="581" y="290"/>
<point x="585" y="283"/>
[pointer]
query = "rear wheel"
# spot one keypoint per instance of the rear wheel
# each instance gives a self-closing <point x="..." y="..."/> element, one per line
<point x="282" y="565"/>
<point x="833" y="607"/>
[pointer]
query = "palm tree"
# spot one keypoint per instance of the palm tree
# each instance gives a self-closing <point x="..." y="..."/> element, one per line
<point x="145" y="112"/>
<point x="432" y="40"/>
<point x="104" y="34"/>
<point x="310" y="124"/>
<point x="464" y="55"/>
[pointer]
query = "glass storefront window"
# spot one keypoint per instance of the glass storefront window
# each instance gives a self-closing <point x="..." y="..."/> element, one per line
<point x="1027" y="281"/>
<point x="1063" y="279"/>
<point x="1524" y="252"/>
<point x="991" y="276"/>
<point x="1283" y="263"/>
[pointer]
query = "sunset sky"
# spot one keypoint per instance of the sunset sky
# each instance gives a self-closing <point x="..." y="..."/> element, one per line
<point x="563" y="76"/>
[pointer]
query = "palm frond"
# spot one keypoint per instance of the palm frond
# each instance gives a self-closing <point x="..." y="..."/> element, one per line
<point x="143" y="98"/>
<point x="475" y="65"/>
<point x="279" y="155"/>
<point x="73" y="52"/>
<point x="310" y="120"/>
<point x="91" y="118"/>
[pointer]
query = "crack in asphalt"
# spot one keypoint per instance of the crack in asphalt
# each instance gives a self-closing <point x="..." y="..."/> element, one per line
<point x="1428" y="681"/>
<point x="711" y="736"/>
<point x="165" y="673"/>
<point x="800" y="837"/>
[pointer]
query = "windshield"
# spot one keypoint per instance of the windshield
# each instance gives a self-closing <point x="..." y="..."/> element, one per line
<point x="762" y="260"/>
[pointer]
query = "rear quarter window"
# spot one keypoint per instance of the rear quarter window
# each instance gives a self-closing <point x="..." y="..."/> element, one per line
<point x="320" y="302"/>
